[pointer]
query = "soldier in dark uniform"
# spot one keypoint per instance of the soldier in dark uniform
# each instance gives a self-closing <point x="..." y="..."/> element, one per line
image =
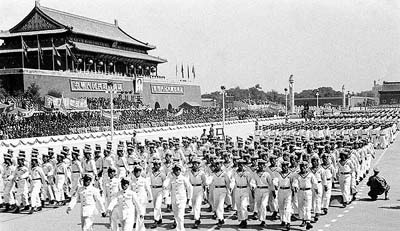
<point x="378" y="186"/>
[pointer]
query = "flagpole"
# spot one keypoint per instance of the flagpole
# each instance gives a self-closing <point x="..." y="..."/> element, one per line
<point x="38" y="52"/>
<point x="52" y="44"/>
<point x="66" y="59"/>
<point x="22" y="53"/>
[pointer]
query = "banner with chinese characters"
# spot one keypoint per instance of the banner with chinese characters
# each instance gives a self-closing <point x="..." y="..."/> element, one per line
<point x="166" y="89"/>
<point x="93" y="86"/>
<point x="65" y="103"/>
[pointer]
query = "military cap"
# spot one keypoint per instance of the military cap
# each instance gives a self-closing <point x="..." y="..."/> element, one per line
<point x="111" y="169"/>
<point x="285" y="163"/>
<point x="21" y="154"/>
<point x="261" y="161"/>
<point x="7" y="156"/>
<point x="304" y="163"/>
<point x="87" y="177"/>
<point x="138" y="168"/>
<point x="177" y="166"/>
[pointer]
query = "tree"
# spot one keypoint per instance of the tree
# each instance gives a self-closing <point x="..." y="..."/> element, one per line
<point x="32" y="92"/>
<point x="55" y="93"/>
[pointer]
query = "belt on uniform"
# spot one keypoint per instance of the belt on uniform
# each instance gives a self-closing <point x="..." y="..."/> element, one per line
<point x="319" y="181"/>
<point x="241" y="186"/>
<point x="284" y="188"/>
<point x="328" y="179"/>
<point x="121" y="166"/>
<point x="382" y="134"/>
<point x="131" y="164"/>
<point x="89" y="171"/>
<point x="105" y="167"/>
<point x="220" y="186"/>
<point x="76" y="172"/>
<point x="37" y="179"/>
<point x="305" y="189"/>
<point x="262" y="186"/>
<point x="60" y="173"/>
<point x="345" y="173"/>
<point x="156" y="186"/>
<point x="194" y="185"/>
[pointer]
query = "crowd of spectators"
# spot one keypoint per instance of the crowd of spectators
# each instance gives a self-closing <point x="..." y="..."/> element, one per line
<point x="57" y="123"/>
<point x="120" y="102"/>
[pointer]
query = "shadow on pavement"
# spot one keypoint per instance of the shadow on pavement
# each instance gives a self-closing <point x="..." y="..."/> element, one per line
<point x="390" y="207"/>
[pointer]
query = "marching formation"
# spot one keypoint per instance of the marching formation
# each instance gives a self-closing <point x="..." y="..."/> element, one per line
<point x="283" y="171"/>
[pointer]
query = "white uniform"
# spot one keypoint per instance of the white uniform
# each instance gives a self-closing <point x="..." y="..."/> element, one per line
<point x="76" y="174"/>
<point x="198" y="182"/>
<point x="123" y="207"/>
<point x="60" y="173"/>
<point x="305" y="183"/>
<point x="8" y="177"/>
<point x="241" y="182"/>
<point x="327" y="174"/>
<point x="142" y="189"/>
<point x="21" y="176"/>
<point x="37" y="178"/>
<point x="156" y="182"/>
<point x="220" y="185"/>
<point x="317" y="196"/>
<point x="181" y="191"/>
<point x="283" y="182"/>
<point x="262" y="184"/>
<point x="346" y="170"/>
<point x="89" y="197"/>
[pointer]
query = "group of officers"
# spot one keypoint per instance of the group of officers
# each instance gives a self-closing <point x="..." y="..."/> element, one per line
<point x="287" y="170"/>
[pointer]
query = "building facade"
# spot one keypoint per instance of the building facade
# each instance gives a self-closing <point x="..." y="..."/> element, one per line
<point x="83" y="57"/>
<point x="390" y="93"/>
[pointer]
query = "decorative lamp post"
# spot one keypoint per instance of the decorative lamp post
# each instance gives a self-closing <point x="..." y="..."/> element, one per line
<point x="286" y="110"/>
<point x="348" y="99"/>
<point x="110" y="86"/>
<point x="317" y="94"/>
<point x="223" y="110"/>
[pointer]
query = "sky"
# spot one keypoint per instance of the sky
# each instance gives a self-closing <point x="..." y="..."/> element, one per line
<point x="244" y="43"/>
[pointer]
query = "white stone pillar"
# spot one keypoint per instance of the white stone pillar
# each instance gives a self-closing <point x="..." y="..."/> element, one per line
<point x="291" y="94"/>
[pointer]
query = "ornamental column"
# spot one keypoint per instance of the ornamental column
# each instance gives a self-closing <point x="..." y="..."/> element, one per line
<point x="291" y="94"/>
<point x="344" y="97"/>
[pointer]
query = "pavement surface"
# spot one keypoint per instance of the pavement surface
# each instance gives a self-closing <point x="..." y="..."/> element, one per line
<point x="362" y="214"/>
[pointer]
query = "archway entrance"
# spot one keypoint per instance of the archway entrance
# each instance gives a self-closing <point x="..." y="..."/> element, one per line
<point x="156" y="105"/>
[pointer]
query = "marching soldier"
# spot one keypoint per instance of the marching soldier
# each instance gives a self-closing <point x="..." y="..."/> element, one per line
<point x="37" y="178"/>
<point x="304" y="183"/>
<point x="156" y="181"/>
<point x="181" y="194"/>
<point x="48" y="184"/>
<point x="283" y="185"/>
<point x="60" y="174"/>
<point x="346" y="169"/>
<point x="273" y="169"/>
<point x="141" y="187"/>
<point x="197" y="179"/>
<point x="241" y="181"/>
<point x="8" y="176"/>
<point x="76" y="172"/>
<point x="89" y="197"/>
<point x="262" y="184"/>
<point x="220" y="183"/>
<point x="317" y="192"/>
<point x="20" y="178"/>
<point x="123" y="206"/>
<point x="327" y="174"/>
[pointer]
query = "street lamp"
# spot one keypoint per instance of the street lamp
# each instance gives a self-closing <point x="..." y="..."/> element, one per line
<point x="317" y="94"/>
<point x="286" y="101"/>
<point x="348" y="99"/>
<point x="223" y="110"/>
<point x="110" y="87"/>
